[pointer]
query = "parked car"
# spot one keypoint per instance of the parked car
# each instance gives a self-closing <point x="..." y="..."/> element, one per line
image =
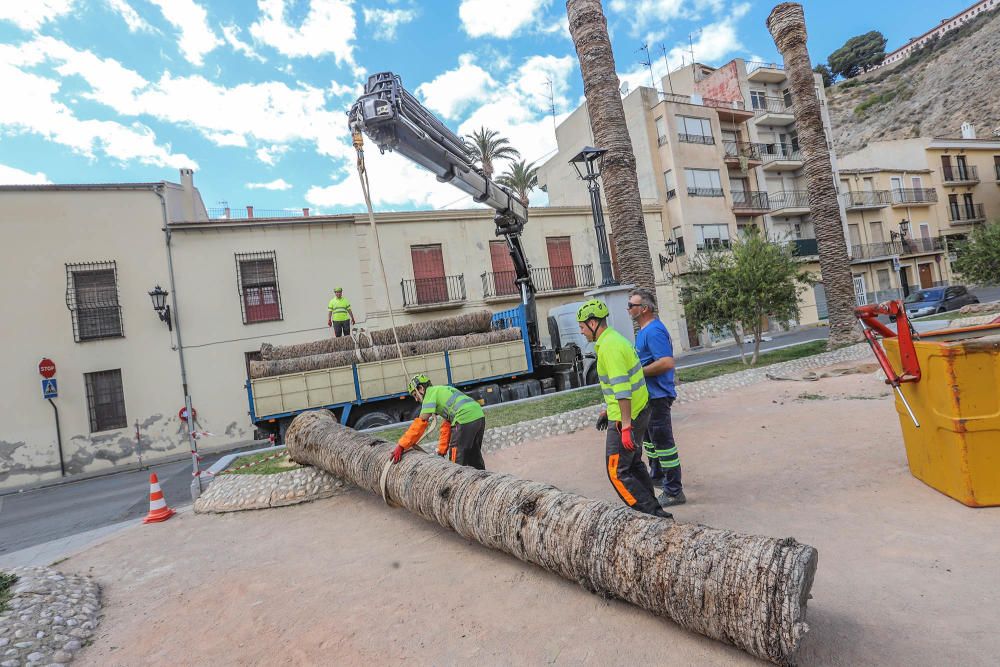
<point x="938" y="300"/>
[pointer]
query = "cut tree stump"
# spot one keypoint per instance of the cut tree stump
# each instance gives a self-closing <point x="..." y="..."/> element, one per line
<point x="745" y="590"/>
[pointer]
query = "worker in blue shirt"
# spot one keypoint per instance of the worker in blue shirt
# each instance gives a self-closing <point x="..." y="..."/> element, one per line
<point x="656" y="353"/>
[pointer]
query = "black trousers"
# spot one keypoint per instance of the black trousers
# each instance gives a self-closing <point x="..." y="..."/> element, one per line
<point x="661" y="450"/>
<point x="626" y="470"/>
<point x="466" y="445"/>
<point x="341" y="328"/>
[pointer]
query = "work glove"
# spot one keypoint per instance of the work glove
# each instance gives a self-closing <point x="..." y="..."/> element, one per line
<point x="397" y="453"/>
<point x="602" y="422"/>
<point x="444" y="439"/>
<point x="626" y="432"/>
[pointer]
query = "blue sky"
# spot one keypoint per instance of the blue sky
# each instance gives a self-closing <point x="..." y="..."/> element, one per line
<point x="252" y="95"/>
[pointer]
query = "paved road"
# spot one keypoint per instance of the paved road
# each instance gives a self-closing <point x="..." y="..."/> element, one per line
<point x="729" y="351"/>
<point x="38" y="516"/>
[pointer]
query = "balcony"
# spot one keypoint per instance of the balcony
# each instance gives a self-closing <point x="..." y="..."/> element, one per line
<point x="789" y="202"/>
<point x="750" y="202"/>
<point x="730" y="111"/>
<point x="500" y="285"/>
<point x="772" y="111"/>
<point x="708" y="139"/>
<point x="922" y="246"/>
<point x="781" y="157"/>
<point x="964" y="214"/>
<point x="805" y="247"/>
<point x="960" y="175"/>
<point x="736" y="151"/>
<point x="857" y="200"/>
<point x="869" y="252"/>
<point x="765" y="72"/>
<point x="704" y="192"/>
<point x="433" y="293"/>
<point x="914" y="196"/>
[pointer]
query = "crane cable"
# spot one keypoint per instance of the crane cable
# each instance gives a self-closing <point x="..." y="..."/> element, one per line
<point x="359" y="143"/>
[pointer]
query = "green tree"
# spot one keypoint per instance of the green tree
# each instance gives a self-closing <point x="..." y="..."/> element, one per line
<point x="521" y="178"/>
<point x="824" y="70"/>
<point x="487" y="146"/>
<point x="858" y="54"/>
<point x="979" y="256"/>
<point x="737" y="290"/>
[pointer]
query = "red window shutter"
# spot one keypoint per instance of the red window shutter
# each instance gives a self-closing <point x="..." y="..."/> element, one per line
<point x="260" y="290"/>
<point x="560" y="262"/>
<point x="428" y="274"/>
<point x="503" y="268"/>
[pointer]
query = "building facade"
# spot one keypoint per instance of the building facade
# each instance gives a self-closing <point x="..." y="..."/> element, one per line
<point x="946" y="25"/>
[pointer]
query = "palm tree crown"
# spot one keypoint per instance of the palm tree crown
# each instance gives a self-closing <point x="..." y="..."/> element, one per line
<point x="487" y="145"/>
<point x="521" y="178"/>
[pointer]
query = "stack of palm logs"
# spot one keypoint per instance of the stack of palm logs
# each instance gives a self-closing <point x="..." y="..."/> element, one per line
<point x="451" y="333"/>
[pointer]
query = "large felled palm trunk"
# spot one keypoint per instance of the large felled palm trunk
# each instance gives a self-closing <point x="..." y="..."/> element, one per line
<point x="589" y="30"/>
<point x="745" y="590"/>
<point x="788" y="28"/>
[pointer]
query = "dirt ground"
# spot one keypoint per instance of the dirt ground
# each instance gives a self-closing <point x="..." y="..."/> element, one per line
<point x="906" y="575"/>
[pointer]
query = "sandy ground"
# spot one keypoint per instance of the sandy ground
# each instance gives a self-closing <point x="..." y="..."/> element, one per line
<point x="906" y="575"/>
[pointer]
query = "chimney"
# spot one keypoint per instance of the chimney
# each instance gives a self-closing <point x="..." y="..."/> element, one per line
<point x="249" y="211"/>
<point x="227" y="215"/>
<point x="187" y="194"/>
<point x="305" y="212"/>
<point x="968" y="131"/>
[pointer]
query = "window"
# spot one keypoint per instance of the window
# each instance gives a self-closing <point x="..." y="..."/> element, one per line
<point x="703" y="182"/>
<point x="560" y="262"/>
<point x="758" y="99"/>
<point x="712" y="237"/>
<point x="883" y="280"/>
<point x="876" y="229"/>
<point x="786" y="95"/>
<point x="503" y="269"/>
<point x="257" y="277"/>
<point x="105" y="400"/>
<point x="92" y="299"/>
<point x="671" y="183"/>
<point x="694" y="130"/>
<point x="661" y="130"/>
<point x="429" y="279"/>
<point x="679" y="237"/>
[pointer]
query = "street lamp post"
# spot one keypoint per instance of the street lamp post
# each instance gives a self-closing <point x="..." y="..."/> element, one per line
<point x="592" y="158"/>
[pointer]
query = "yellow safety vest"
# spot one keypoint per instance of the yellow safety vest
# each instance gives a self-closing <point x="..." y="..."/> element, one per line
<point x="620" y="373"/>
<point x="340" y="309"/>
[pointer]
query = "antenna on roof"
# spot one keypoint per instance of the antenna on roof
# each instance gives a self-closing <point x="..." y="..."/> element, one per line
<point x="552" y="102"/>
<point x="648" y="64"/>
<point x="666" y="62"/>
<point x="691" y="42"/>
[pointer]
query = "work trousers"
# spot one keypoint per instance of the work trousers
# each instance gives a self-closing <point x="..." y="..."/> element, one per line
<point x="661" y="450"/>
<point x="341" y="328"/>
<point x="626" y="470"/>
<point x="466" y="445"/>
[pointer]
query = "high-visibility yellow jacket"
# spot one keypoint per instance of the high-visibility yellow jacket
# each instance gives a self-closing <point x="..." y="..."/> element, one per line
<point x="339" y="309"/>
<point x="454" y="406"/>
<point x="620" y="373"/>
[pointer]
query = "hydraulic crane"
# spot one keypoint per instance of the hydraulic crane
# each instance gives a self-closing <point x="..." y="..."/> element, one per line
<point x="396" y="121"/>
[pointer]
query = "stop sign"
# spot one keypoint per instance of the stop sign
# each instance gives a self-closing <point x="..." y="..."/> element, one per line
<point x="47" y="368"/>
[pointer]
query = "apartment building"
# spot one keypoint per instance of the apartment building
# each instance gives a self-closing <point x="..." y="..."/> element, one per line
<point x="945" y="25"/>
<point x="82" y="260"/>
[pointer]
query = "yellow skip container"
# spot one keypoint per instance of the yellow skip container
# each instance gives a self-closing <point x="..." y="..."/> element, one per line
<point x="956" y="450"/>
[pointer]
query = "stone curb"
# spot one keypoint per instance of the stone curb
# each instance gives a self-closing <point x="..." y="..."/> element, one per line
<point x="49" y="617"/>
<point x="232" y="493"/>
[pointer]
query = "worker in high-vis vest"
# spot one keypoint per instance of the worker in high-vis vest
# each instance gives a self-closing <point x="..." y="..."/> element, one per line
<point x="626" y="398"/>
<point x="340" y="316"/>
<point x="462" y="430"/>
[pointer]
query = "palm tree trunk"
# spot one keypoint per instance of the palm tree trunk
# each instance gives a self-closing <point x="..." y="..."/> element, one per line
<point x="746" y="590"/>
<point x="589" y="30"/>
<point x="788" y="28"/>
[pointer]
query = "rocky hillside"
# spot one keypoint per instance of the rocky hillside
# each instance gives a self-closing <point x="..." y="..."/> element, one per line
<point x="931" y="93"/>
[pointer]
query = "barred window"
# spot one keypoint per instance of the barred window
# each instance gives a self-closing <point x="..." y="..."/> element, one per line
<point x="92" y="299"/>
<point x="257" y="278"/>
<point x="105" y="400"/>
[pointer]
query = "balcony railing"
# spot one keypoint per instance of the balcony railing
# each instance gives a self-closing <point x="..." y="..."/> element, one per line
<point x="750" y="199"/>
<point x="704" y="192"/>
<point x="959" y="174"/>
<point x="499" y="283"/>
<point x="696" y="138"/>
<point x="753" y="66"/>
<point x="552" y="278"/>
<point x="660" y="140"/>
<point x="765" y="105"/>
<point x="430" y="291"/>
<point x="772" y="152"/>
<point x="788" y="199"/>
<point x="966" y="212"/>
<point x="904" y="247"/>
<point x="724" y="104"/>
<point x="737" y="149"/>
<point x="921" y="245"/>
<point x="805" y="247"/>
<point x="865" y="199"/>
<point x="914" y="195"/>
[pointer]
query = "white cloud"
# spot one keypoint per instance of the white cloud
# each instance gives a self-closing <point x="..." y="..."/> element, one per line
<point x="499" y="18"/>
<point x="15" y="176"/>
<point x="344" y="89"/>
<point x="453" y="91"/>
<point x="191" y="19"/>
<point x="395" y="183"/>
<point x="270" y="155"/>
<point x="384" y="22"/>
<point x="327" y="29"/>
<point x="32" y="14"/>
<point x="131" y="17"/>
<point x="642" y="14"/>
<point x="278" y="184"/>
<point x="231" y="34"/>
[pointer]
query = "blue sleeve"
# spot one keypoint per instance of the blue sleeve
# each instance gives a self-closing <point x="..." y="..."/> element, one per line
<point x="658" y="341"/>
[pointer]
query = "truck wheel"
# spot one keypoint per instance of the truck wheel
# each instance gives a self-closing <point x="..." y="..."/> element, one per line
<point x="592" y="375"/>
<point x="373" y="419"/>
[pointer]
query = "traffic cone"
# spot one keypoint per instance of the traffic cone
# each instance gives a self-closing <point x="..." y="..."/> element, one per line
<point x="158" y="510"/>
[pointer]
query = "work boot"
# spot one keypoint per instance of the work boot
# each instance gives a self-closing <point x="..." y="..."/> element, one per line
<point x="663" y="514"/>
<point x="670" y="501"/>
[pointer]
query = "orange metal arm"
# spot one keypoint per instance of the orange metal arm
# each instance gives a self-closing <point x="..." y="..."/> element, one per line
<point x="868" y="315"/>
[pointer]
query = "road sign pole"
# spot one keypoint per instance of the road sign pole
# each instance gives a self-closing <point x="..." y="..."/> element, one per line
<point x="62" y="461"/>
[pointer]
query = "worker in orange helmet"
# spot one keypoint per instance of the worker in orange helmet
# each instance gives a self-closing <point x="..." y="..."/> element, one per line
<point x="464" y="424"/>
